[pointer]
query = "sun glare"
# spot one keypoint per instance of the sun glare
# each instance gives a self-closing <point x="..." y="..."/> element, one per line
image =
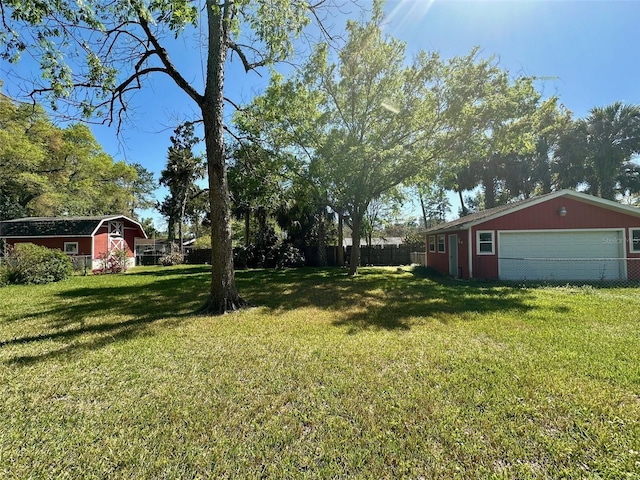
<point x="407" y="12"/>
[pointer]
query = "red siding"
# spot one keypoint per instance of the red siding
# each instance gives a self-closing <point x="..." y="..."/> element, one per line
<point x="440" y="261"/>
<point x="543" y="216"/>
<point x="130" y="235"/>
<point x="100" y="242"/>
<point x="84" y="243"/>
<point x="484" y="266"/>
<point x="102" y="239"/>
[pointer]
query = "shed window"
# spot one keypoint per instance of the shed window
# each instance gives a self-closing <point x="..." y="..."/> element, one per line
<point x="71" y="248"/>
<point x="634" y="239"/>
<point x="116" y="229"/>
<point x="485" y="243"/>
<point x="432" y="243"/>
<point x="441" y="244"/>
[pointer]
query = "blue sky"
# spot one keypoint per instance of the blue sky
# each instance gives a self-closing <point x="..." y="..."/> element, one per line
<point x="587" y="52"/>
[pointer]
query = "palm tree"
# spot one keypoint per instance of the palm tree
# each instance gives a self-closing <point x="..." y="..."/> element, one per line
<point x="597" y="148"/>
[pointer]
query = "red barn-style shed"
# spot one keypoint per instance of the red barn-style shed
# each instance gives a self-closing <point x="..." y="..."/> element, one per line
<point x="564" y="235"/>
<point x="86" y="236"/>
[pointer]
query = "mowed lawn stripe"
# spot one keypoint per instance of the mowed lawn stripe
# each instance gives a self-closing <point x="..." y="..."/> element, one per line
<point x="386" y="375"/>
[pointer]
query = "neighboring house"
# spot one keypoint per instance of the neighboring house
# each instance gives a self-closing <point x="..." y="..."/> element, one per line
<point x="376" y="242"/>
<point x="150" y="251"/>
<point x="153" y="246"/>
<point x="93" y="237"/>
<point x="564" y="235"/>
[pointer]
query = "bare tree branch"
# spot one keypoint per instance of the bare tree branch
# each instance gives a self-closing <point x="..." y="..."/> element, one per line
<point x="248" y="66"/>
<point x="169" y="69"/>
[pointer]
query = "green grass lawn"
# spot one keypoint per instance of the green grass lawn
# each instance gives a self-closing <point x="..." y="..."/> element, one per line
<point x="386" y="375"/>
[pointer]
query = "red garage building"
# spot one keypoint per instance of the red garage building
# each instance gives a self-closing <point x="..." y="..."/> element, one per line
<point x="564" y="235"/>
<point x="78" y="236"/>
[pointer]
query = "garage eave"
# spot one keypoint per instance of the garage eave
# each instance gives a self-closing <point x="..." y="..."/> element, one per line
<point x="478" y="218"/>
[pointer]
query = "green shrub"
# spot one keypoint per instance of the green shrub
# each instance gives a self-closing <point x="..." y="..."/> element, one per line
<point x="288" y="256"/>
<point x="28" y="263"/>
<point x="114" y="261"/>
<point x="4" y="274"/>
<point x="276" y="256"/>
<point x="170" y="259"/>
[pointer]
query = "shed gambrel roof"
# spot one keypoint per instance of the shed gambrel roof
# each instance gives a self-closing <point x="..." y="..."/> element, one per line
<point x="468" y="221"/>
<point x="57" y="226"/>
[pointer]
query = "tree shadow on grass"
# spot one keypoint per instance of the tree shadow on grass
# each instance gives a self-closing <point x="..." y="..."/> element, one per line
<point x="101" y="311"/>
<point x="379" y="298"/>
<point x="94" y="315"/>
<point x="162" y="271"/>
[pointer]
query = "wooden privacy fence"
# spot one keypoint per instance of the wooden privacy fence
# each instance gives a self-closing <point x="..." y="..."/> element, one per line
<point x="390" y="255"/>
<point x="387" y="256"/>
<point x="419" y="258"/>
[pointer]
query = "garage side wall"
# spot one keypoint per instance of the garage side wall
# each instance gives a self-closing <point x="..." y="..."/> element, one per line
<point x="439" y="260"/>
<point x="129" y="241"/>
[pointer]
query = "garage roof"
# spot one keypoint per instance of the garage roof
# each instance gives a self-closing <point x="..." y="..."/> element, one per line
<point x="468" y="221"/>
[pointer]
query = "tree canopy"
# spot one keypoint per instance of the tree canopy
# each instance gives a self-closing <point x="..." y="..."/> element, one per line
<point x="183" y="169"/>
<point x="370" y="119"/>
<point x="598" y="151"/>
<point x="94" y="54"/>
<point x="46" y="170"/>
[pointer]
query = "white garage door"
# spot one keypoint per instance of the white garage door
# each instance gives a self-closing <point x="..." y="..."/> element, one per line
<point x="575" y="255"/>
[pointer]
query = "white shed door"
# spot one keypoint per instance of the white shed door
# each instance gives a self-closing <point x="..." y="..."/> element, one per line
<point x="574" y="255"/>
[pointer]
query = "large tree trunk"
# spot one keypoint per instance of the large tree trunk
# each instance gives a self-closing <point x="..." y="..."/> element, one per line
<point x="322" y="244"/>
<point x="463" y="208"/>
<point x="224" y="294"/>
<point x="425" y="219"/>
<point x="340" y="253"/>
<point x="171" y="229"/>
<point x="356" y="222"/>
<point x="247" y="227"/>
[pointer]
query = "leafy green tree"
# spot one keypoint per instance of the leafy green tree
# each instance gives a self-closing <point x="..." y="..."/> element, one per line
<point x="372" y="120"/>
<point x="499" y="156"/>
<point x="149" y="227"/>
<point x="306" y="220"/>
<point x="86" y="180"/>
<point x="23" y="154"/>
<point x="46" y="170"/>
<point x="142" y="189"/>
<point x="598" y="149"/>
<point x="94" y="54"/>
<point x="629" y="181"/>
<point x="257" y="179"/>
<point x="180" y="175"/>
<point x="535" y="171"/>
